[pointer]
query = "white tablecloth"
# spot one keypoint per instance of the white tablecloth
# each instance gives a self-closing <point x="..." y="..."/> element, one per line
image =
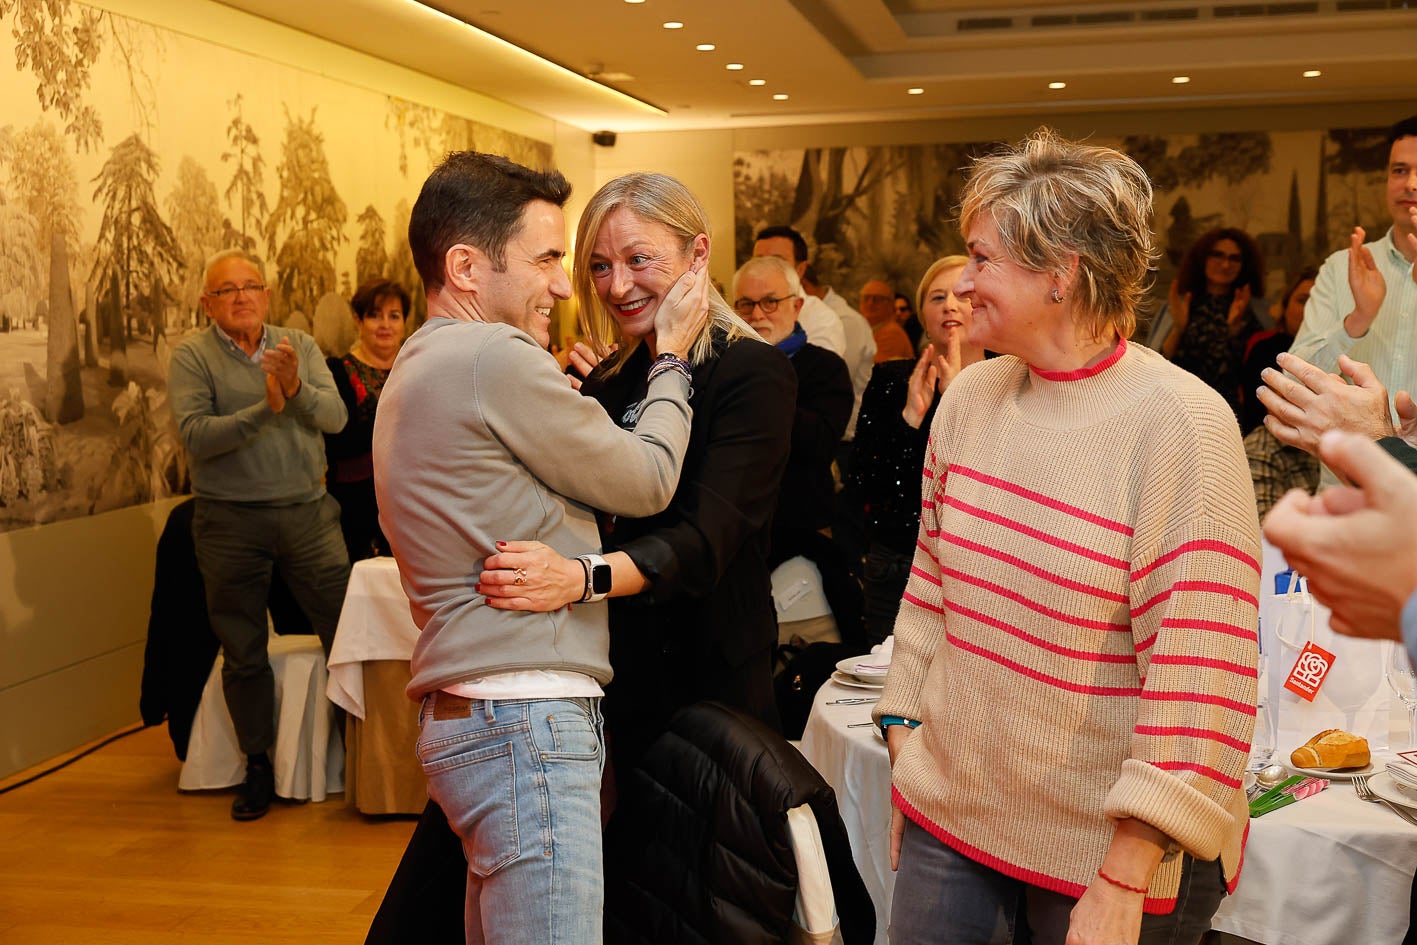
<point x="1329" y="870"/>
<point x="855" y="763"/>
<point x="374" y="624"/>
<point x="308" y="755"/>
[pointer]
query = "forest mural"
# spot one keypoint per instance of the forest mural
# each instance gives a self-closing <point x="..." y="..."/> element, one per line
<point x="128" y="155"/>
<point x="888" y="212"/>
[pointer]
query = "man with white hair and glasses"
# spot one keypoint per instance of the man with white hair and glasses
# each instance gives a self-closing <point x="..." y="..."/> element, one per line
<point x="252" y="402"/>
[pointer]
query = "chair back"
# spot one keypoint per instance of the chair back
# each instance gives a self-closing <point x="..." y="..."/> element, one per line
<point x="701" y="850"/>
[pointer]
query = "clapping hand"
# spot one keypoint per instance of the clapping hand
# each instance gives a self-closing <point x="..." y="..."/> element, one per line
<point x="274" y="396"/>
<point x="1366" y="283"/>
<point x="1179" y="304"/>
<point x="282" y="363"/>
<point x="1239" y="305"/>
<point x="1357" y="546"/>
<point x="933" y="373"/>
<point x="1411" y="237"/>
<point x="1303" y="407"/>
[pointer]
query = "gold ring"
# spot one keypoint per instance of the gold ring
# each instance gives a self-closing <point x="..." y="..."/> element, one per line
<point x="520" y="576"/>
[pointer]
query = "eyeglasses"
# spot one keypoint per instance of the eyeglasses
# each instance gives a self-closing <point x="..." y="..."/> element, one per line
<point x="767" y="303"/>
<point x="231" y="291"/>
<point x="873" y="299"/>
<point x="1235" y="258"/>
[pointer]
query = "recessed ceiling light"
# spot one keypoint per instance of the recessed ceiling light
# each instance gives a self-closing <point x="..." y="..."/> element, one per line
<point x="779" y="97"/>
<point x="1180" y="79"/>
<point x="734" y="67"/>
<point x="757" y="81"/>
<point x="1312" y="73"/>
<point x="914" y="91"/>
<point x="634" y="1"/>
<point x="705" y="47"/>
<point x="674" y="25"/>
<point x="1057" y="85"/>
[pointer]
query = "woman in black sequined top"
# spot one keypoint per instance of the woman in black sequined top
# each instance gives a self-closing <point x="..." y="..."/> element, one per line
<point x="892" y="432"/>
<point x="380" y="307"/>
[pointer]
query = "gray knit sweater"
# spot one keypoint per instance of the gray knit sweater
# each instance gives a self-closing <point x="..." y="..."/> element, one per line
<point x="240" y="450"/>
<point x="479" y="438"/>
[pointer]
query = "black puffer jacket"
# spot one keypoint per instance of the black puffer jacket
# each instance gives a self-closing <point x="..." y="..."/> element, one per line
<point x="698" y="852"/>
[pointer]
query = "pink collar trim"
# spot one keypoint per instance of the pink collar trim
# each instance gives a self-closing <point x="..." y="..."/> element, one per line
<point x="1084" y="373"/>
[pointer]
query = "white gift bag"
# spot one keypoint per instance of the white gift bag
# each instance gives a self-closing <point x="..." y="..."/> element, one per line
<point x="1354" y="695"/>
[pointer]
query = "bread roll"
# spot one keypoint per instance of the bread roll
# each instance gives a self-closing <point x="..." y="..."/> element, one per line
<point x="1332" y="748"/>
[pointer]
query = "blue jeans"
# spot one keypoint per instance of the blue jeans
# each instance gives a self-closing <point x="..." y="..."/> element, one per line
<point x="944" y="898"/>
<point x="520" y="784"/>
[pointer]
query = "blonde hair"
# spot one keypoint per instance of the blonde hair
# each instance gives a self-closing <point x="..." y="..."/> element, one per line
<point x="938" y="266"/>
<point x="653" y="198"/>
<point x="1051" y="198"/>
<point x="774" y="264"/>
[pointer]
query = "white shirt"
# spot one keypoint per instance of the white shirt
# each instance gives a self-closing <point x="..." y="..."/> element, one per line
<point x="1389" y="347"/>
<point x="822" y="326"/>
<point x="860" y="354"/>
<point x="528" y="684"/>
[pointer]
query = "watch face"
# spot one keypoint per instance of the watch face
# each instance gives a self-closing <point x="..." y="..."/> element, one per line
<point x="600" y="579"/>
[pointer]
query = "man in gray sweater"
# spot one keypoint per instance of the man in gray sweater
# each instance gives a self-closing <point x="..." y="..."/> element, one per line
<point x="480" y="440"/>
<point x="252" y="403"/>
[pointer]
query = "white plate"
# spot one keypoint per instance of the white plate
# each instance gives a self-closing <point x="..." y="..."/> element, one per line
<point x="842" y="679"/>
<point x="1385" y="787"/>
<point x="847" y="667"/>
<point x="1333" y="774"/>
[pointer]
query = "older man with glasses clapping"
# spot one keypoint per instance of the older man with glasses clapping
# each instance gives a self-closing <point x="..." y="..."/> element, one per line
<point x="252" y="404"/>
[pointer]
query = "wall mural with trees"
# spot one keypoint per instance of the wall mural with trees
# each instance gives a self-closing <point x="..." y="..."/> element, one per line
<point x="888" y="212"/>
<point x="128" y="155"/>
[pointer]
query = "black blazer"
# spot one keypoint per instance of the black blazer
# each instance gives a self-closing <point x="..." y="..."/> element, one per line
<point x="706" y="627"/>
<point x="824" y="400"/>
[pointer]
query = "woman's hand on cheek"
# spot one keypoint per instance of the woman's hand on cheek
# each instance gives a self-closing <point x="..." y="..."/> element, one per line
<point x="683" y="312"/>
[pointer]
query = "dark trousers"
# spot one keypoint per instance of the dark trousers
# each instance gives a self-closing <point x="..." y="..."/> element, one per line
<point x="943" y="898"/>
<point x="882" y="586"/>
<point x="238" y="546"/>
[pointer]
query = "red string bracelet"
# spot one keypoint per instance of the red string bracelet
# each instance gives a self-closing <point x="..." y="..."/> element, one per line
<point x="1121" y="885"/>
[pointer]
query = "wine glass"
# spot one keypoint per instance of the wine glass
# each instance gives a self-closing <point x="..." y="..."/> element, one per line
<point x="1403" y="680"/>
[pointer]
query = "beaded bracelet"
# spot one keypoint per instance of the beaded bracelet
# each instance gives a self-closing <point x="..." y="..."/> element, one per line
<point x="1121" y="885"/>
<point x="664" y="367"/>
<point x="669" y="358"/>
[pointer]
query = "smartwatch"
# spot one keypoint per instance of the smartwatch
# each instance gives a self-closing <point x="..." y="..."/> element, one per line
<point x="598" y="578"/>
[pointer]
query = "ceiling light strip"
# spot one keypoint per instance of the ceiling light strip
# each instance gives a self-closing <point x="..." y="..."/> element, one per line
<point x="550" y="64"/>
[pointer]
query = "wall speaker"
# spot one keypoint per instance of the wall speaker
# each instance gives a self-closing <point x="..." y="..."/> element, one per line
<point x="606" y="139"/>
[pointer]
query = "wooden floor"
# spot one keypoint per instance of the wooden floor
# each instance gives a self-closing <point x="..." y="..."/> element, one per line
<point x="107" y="851"/>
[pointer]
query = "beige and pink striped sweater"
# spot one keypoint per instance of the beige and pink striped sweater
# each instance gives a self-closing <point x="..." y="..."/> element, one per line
<point x="1078" y="637"/>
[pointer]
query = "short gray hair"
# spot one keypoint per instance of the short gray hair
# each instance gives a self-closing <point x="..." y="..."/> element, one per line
<point x="215" y="258"/>
<point x="1051" y="198"/>
<point x="772" y="264"/>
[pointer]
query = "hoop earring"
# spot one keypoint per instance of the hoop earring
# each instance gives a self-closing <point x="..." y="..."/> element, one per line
<point x="1057" y="297"/>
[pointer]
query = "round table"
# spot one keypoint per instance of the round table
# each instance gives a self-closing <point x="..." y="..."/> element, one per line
<point x="855" y="763"/>
<point x="1329" y="869"/>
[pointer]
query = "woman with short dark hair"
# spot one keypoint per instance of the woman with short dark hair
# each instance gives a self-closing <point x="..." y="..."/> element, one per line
<point x="380" y="313"/>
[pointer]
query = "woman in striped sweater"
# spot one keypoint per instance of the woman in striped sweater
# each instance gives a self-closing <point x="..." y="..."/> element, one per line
<point x="1071" y="702"/>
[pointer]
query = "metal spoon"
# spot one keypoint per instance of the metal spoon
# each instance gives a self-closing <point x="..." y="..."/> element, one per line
<point x="1271" y="775"/>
